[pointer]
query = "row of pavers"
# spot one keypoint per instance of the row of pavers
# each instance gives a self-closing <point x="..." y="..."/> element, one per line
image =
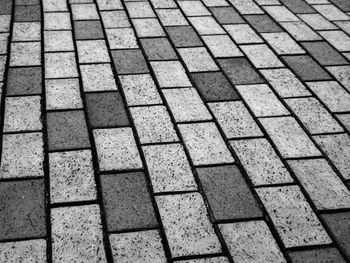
<point x="144" y="136"/>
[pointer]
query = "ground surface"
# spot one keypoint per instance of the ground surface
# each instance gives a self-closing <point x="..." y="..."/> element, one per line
<point x="159" y="131"/>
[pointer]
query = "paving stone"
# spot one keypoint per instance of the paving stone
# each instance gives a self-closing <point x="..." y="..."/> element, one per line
<point x="332" y="94"/>
<point x="209" y="3"/>
<point x="115" y="19"/>
<point x="121" y="38"/>
<point x="298" y="6"/>
<point x="57" y="21"/>
<point x="306" y="68"/>
<point x="22" y="209"/>
<point x="197" y="59"/>
<point x="84" y="12"/>
<point x="239" y="71"/>
<point x="58" y="41"/>
<point x="226" y="15"/>
<point x="5" y="21"/>
<point x="171" y="17"/>
<point x="92" y="51"/>
<point x="127" y="202"/>
<point x="71" y="176"/>
<point x="5" y="7"/>
<point x="194" y="8"/>
<point x="54" y="5"/>
<point x="109" y="5"/>
<point x="129" y="61"/>
<point x="300" y="31"/>
<point x="337" y="147"/>
<point x="251" y="241"/>
<point x="20" y="251"/>
<point x="148" y="27"/>
<point x="222" y="46"/>
<point x="343" y="5"/>
<point x="140" y="89"/>
<point x="205" y="143"/>
<point x="246" y="6"/>
<point x="280" y="13"/>
<point x="263" y="23"/>
<point x="153" y="124"/>
<point x="207" y="260"/>
<point x="26" y="31"/>
<point x="214" y="86"/>
<point x="344" y="25"/>
<point x="22" y="155"/>
<point x="342" y="74"/>
<point x="206" y="25"/>
<point x="345" y="120"/>
<point x="331" y="12"/>
<point x="235" y="120"/>
<point x="227" y="192"/>
<point x="97" y="77"/>
<point x="25" y="54"/>
<point x="319" y="255"/>
<point x="282" y="43"/>
<point x="324" y="187"/>
<point x="317" y="22"/>
<point x="116" y="149"/>
<point x="27" y="13"/>
<point x="183" y="36"/>
<point x="24" y="81"/>
<point x="164" y="3"/>
<point x="139" y="9"/>
<point x="169" y="168"/>
<point x="3" y="43"/>
<point x="141" y="246"/>
<point x="60" y="65"/>
<point x="267" y="2"/>
<point x="62" y="94"/>
<point x="313" y="115"/>
<point x="289" y="137"/>
<point x="292" y="216"/>
<point x="170" y="74"/>
<point x="261" y="162"/>
<point x="88" y="30"/>
<point x="77" y="234"/>
<point x="324" y="53"/>
<point x="158" y="49"/>
<point x="187" y="226"/>
<point x="338" y="224"/>
<point x="67" y="130"/>
<point x="243" y="34"/>
<point x="261" y="56"/>
<point x="2" y="67"/>
<point x="261" y="100"/>
<point x="22" y="114"/>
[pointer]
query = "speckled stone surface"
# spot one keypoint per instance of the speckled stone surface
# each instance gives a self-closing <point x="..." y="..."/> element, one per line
<point x="77" y="234"/>
<point x="26" y="80"/>
<point x="60" y="65"/>
<point x="251" y="241"/>
<point x="293" y="217"/>
<point x="206" y="260"/>
<point x="24" y="251"/>
<point x="97" y="77"/>
<point x="129" y="61"/>
<point x="25" y="54"/>
<point x="143" y="246"/>
<point x="127" y="202"/>
<point x="197" y="59"/>
<point x="321" y="255"/>
<point x="186" y="225"/>
<point x="170" y="74"/>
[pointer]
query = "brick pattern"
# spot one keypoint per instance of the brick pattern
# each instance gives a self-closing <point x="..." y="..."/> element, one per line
<point x="175" y="130"/>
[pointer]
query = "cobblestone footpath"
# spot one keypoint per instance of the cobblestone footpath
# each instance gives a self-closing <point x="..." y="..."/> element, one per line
<point x="207" y="131"/>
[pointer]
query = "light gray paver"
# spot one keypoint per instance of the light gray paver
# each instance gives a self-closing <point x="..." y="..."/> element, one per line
<point x="300" y="31"/>
<point x="92" y="51"/>
<point x="57" y="21"/>
<point x="60" y="65"/>
<point x="261" y="56"/>
<point x="246" y="7"/>
<point x="26" y="31"/>
<point x="58" y="41"/>
<point x="23" y="251"/>
<point x="222" y="46"/>
<point x="148" y="27"/>
<point x="84" y="12"/>
<point x="251" y="241"/>
<point x="120" y="38"/>
<point x="282" y="43"/>
<point x="97" y="77"/>
<point x="171" y="17"/>
<point x="317" y="22"/>
<point x="324" y="187"/>
<point x="331" y="12"/>
<point x="281" y="13"/>
<point x="337" y="38"/>
<point x="170" y="74"/>
<point x="206" y="25"/>
<point x="243" y="33"/>
<point x="194" y="8"/>
<point x="205" y="143"/>
<point x="292" y="216"/>
<point x="197" y="59"/>
<point x="54" y="5"/>
<point x="139" y="9"/>
<point x="187" y="226"/>
<point x="115" y="19"/>
<point x="25" y="54"/>
<point x="342" y="74"/>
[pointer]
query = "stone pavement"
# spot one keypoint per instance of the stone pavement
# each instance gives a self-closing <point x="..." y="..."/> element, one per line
<point x="175" y="131"/>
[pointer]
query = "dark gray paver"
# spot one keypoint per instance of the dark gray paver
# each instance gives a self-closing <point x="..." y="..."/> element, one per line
<point x="342" y="4"/>
<point x="319" y="255"/>
<point x="106" y="110"/>
<point x="214" y="86"/>
<point x="306" y="68"/>
<point x="27" y="2"/>
<point x="158" y="48"/>
<point x="226" y="15"/>
<point x="240" y="71"/>
<point x="184" y="36"/>
<point x="67" y="130"/>
<point x="88" y="30"/>
<point x="27" y="13"/>
<point x="127" y="201"/>
<point x="298" y="6"/>
<point x="22" y="206"/>
<point x="338" y="224"/>
<point x="228" y="194"/>
<point x="5" y="7"/>
<point x="263" y="23"/>
<point x="129" y="61"/>
<point x="24" y="81"/>
<point x="324" y="53"/>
